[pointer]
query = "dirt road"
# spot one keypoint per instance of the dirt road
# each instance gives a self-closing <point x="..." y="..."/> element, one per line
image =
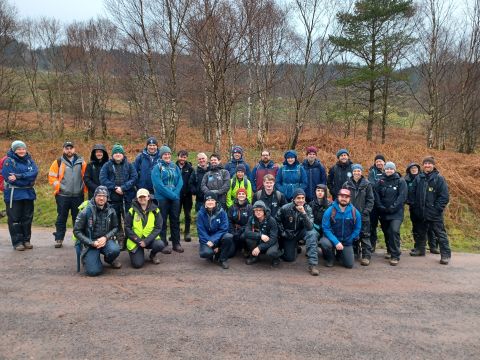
<point x="190" y="309"/>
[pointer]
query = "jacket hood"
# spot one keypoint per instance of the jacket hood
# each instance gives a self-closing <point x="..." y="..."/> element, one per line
<point x="150" y="207"/>
<point x="412" y="165"/>
<point x="217" y="167"/>
<point x="348" y="163"/>
<point x="14" y="156"/>
<point x="316" y="163"/>
<point x="290" y="153"/>
<point x="146" y="153"/>
<point x="96" y="147"/>
<point x="261" y="204"/>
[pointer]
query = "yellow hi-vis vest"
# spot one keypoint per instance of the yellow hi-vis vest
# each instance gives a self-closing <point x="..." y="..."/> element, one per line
<point x="138" y="228"/>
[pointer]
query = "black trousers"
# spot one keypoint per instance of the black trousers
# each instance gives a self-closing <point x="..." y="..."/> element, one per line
<point x="20" y="217"/>
<point x="137" y="257"/>
<point x="186" y="203"/>
<point x="65" y="204"/>
<point x="362" y="245"/>
<point x="438" y="228"/>
<point x="391" y="230"/>
<point x="373" y="228"/>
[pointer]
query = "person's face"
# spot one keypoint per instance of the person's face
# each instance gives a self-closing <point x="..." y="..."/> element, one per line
<point x="299" y="200"/>
<point x="259" y="213"/>
<point x="290" y="160"/>
<point x="210" y="204"/>
<point x="237" y="155"/>
<point x="428" y="167"/>
<point x="241" y="196"/>
<point x="265" y="157"/>
<point x="414" y="170"/>
<point x="100" y="200"/>
<point x="99" y="154"/>
<point x="69" y="151"/>
<point x="152" y="148"/>
<point x="343" y="199"/>
<point x="214" y="161"/>
<point x="21" y="152"/>
<point x="379" y="164"/>
<point x="389" y="171"/>
<point x="182" y="159"/>
<point x="143" y="200"/>
<point x="167" y="157"/>
<point x="311" y="157"/>
<point x="319" y="193"/>
<point x="118" y="157"/>
<point x="202" y="160"/>
<point x="240" y="175"/>
<point x="357" y="174"/>
<point x="343" y="158"/>
<point x="268" y="184"/>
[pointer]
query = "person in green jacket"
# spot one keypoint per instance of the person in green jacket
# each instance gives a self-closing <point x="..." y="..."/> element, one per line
<point x="237" y="182"/>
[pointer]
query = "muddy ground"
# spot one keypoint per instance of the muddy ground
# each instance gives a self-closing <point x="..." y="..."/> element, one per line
<point x="187" y="308"/>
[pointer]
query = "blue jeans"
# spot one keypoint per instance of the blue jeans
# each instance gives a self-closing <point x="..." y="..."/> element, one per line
<point x="226" y="246"/>
<point x="170" y="209"/>
<point x="289" y="246"/>
<point x="91" y="260"/>
<point x="346" y="255"/>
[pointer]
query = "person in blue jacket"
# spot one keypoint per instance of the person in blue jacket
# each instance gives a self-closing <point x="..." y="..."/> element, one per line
<point x="212" y="227"/>
<point x="290" y="176"/>
<point x="237" y="159"/>
<point x="144" y="164"/>
<point x="167" y="184"/>
<point x="20" y="172"/>
<point x="341" y="225"/>
<point x="316" y="173"/>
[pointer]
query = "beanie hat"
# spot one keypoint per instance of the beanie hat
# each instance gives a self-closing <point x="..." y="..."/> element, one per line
<point x="210" y="195"/>
<point x="390" y="165"/>
<point x="341" y="152"/>
<point x="311" y="149"/>
<point x="429" y="159"/>
<point x="259" y="204"/>
<point x="357" y="167"/>
<point x="298" y="192"/>
<point x="152" y="140"/>
<point x="164" y="150"/>
<point x="17" y="144"/>
<point x="241" y="190"/>
<point x="379" y="157"/>
<point x="237" y="149"/>
<point x="290" y="154"/>
<point x="101" y="190"/>
<point x="241" y="167"/>
<point x="117" y="149"/>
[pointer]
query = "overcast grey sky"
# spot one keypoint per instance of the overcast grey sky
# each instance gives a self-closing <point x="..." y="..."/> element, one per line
<point x="63" y="10"/>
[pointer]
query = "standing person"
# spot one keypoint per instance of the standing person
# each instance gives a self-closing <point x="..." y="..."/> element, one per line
<point x="212" y="227"/>
<point x="98" y="157"/>
<point x="339" y="173"/>
<point x="390" y="196"/>
<point x="143" y="224"/>
<point x="273" y="199"/>
<point x="237" y="159"/>
<point x="428" y="201"/>
<point x="217" y="180"/>
<point x="19" y="172"/>
<point x="261" y="235"/>
<point x="291" y="176"/>
<point x="195" y="181"/>
<point x="315" y="172"/>
<point x="186" y="200"/>
<point x="238" y="215"/>
<point x="319" y="205"/>
<point x="295" y="222"/>
<point x="95" y="228"/>
<point x="265" y="166"/>
<point x="240" y="180"/>
<point x="341" y="225"/>
<point x="144" y="164"/>
<point x="374" y="174"/>
<point x="167" y="183"/>
<point x="363" y="200"/>
<point x="119" y="177"/>
<point x="66" y="176"/>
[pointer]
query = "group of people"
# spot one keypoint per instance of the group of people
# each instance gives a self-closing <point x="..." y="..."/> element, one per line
<point x="268" y="209"/>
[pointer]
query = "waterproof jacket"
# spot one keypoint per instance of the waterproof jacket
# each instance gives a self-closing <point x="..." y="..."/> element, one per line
<point x="374" y="174"/>
<point x="92" y="172"/>
<point x="238" y="217"/>
<point x="231" y="166"/>
<point x="259" y="171"/>
<point x="290" y="177"/>
<point x="337" y="176"/>
<point x="186" y="171"/>
<point x="315" y="175"/>
<point x="344" y="227"/>
<point x="217" y="179"/>
<point x="142" y="225"/>
<point x="167" y="181"/>
<point x="66" y="176"/>
<point x="129" y="179"/>
<point x="291" y="222"/>
<point x="390" y="195"/>
<point x="101" y="222"/>
<point x="195" y="183"/>
<point x="211" y="225"/>
<point x="273" y="202"/>
<point x="361" y="195"/>
<point x="429" y="196"/>
<point x="144" y="164"/>
<point x="236" y="184"/>
<point x="255" y="229"/>
<point x="409" y="178"/>
<point x="318" y="209"/>
<point x="25" y="171"/>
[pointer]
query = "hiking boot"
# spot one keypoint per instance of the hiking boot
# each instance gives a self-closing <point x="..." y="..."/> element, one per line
<point x="275" y="262"/>
<point x="329" y="263"/>
<point x="20" y="247"/>
<point x="245" y="253"/>
<point x="417" y="252"/>
<point x="154" y="259"/>
<point x="3" y="213"/>
<point x="58" y="244"/>
<point x="116" y="264"/>
<point x="387" y="256"/>
<point x="299" y="249"/>
<point x="394" y="262"/>
<point x="365" y="262"/>
<point x="313" y="270"/>
<point x="301" y="242"/>
<point x="434" y="251"/>
<point x="224" y="264"/>
<point x="178" y="248"/>
<point x="28" y="245"/>
<point x="444" y="260"/>
<point x="251" y="260"/>
<point x="166" y="250"/>
<point x="187" y="237"/>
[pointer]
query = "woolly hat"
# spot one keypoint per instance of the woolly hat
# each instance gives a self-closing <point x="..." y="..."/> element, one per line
<point x="17" y="144"/>
<point x="101" y="190"/>
<point x="237" y="149"/>
<point x="152" y="140"/>
<point x="311" y="149"/>
<point x="241" y="167"/>
<point x="379" y="157"/>
<point x="118" y="149"/>
<point x="341" y="152"/>
<point x="259" y="204"/>
<point x="357" y="167"/>
<point x="210" y="195"/>
<point x="290" y="154"/>
<point x="390" y="165"/>
<point x="164" y="150"/>
<point x="298" y="192"/>
<point x="429" y="159"/>
<point x="241" y="190"/>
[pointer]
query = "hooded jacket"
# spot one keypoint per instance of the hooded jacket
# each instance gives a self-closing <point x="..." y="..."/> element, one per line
<point x="429" y="196"/>
<point x="290" y="177"/>
<point x="238" y="217"/>
<point x="195" y="183"/>
<point x="374" y="174"/>
<point x="338" y="175"/>
<point x="25" y="171"/>
<point x="390" y="195"/>
<point x="318" y="209"/>
<point x="361" y="195"/>
<point x="144" y="164"/>
<point x="255" y="229"/>
<point x="217" y="179"/>
<point x="186" y="171"/>
<point x="140" y="215"/>
<point x="259" y="171"/>
<point x="231" y="166"/>
<point x="211" y="225"/>
<point x="92" y="172"/>
<point x="236" y="184"/>
<point x="315" y="175"/>
<point x="291" y="222"/>
<point x="167" y="181"/>
<point x="344" y="227"/>
<point x="409" y="178"/>
<point x="129" y="176"/>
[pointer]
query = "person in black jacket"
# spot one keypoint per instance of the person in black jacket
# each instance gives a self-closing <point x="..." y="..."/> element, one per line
<point x="261" y="235"/>
<point x="98" y="157"/>
<point x="429" y="197"/>
<point x="238" y="215"/>
<point x="390" y="196"/>
<point x="195" y="181"/>
<point x="273" y="199"/>
<point x="186" y="201"/>
<point x="319" y="205"/>
<point x="339" y="173"/>
<point x="374" y="174"/>
<point x="362" y="199"/>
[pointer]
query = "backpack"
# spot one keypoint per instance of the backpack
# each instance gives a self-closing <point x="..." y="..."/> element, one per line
<point x="2" y="180"/>
<point x="233" y="183"/>
<point x="278" y="195"/>
<point x="334" y="213"/>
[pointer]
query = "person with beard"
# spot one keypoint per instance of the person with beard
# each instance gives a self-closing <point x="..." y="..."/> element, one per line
<point x="186" y="200"/>
<point x="339" y="173"/>
<point x="363" y="200"/>
<point x="195" y="181"/>
<point x="217" y="180"/>
<point x="143" y="224"/>
<point x="265" y="166"/>
<point x="273" y="199"/>
<point x="291" y="176"/>
<point x="319" y="205"/>
<point x="95" y="228"/>
<point x="429" y="197"/>
<point x="119" y="177"/>
<point x="315" y="172"/>
<point x="20" y="173"/>
<point x="238" y="215"/>
<point x="390" y="195"/>
<point x="98" y="157"/>
<point x="374" y="174"/>
<point x="237" y="159"/>
<point x="341" y="225"/>
<point x="144" y="164"/>
<point x="212" y="227"/>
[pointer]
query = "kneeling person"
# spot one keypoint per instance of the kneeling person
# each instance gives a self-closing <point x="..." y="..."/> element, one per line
<point x="143" y="224"/>
<point x="95" y="227"/>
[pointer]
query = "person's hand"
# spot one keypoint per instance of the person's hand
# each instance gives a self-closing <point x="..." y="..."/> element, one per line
<point x="142" y="244"/>
<point x="209" y="244"/>
<point x="216" y="250"/>
<point x="264" y="238"/>
<point x="300" y="209"/>
<point x="12" y="177"/>
<point x="256" y="251"/>
<point x="118" y="190"/>
<point x="100" y="242"/>
<point x="339" y="246"/>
